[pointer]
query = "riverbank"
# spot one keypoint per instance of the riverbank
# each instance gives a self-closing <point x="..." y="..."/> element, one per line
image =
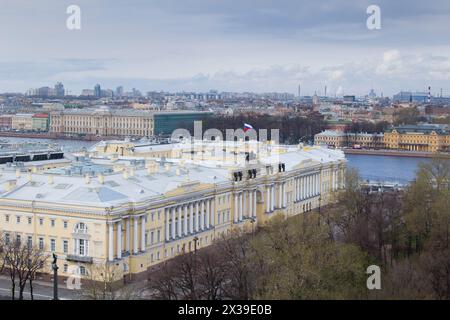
<point x="46" y="135"/>
<point x="395" y="153"/>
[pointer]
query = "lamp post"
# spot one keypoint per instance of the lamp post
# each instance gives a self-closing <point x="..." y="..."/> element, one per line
<point x="55" y="277"/>
<point x="195" y="244"/>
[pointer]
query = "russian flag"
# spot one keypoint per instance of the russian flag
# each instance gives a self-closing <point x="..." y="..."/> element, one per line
<point x="247" y="127"/>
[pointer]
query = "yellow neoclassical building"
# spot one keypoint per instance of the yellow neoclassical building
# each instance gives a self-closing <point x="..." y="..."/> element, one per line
<point x="102" y="121"/>
<point x="429" y="138"/>
<point x="137" y="208"/>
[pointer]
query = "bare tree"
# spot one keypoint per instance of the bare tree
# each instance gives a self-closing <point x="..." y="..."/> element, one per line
<point x="22" y="261"/>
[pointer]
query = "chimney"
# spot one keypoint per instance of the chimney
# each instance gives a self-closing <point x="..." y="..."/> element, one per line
<point x="177" y="171"/>
<point x="50" y="179"/>
<point x="125" y="174"/>
<point x="101" y="178"/>
<point x="87" y="179"/>
<point x="132" y="172"/>
<point x="30" y="177"/>
<point x="18" y="173"/>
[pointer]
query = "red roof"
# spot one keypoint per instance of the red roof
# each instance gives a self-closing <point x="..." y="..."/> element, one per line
<point x="40" y="115"/>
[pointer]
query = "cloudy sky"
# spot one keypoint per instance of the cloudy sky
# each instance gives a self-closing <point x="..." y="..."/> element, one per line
<point x="245" y="45"/>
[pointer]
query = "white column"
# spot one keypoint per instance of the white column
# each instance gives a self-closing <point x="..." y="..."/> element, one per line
<point x="191" y="217"/>
<point x="213" y="212"/>
<point x="267" y="199"/>
<point x="254" y="204"/>
<point x="185" y="219"/>
<point x="111" y="241"/>
<point x="172" y="211"/>
<point x="208" y="213"/>
<point x="143" y="244"/>
<point x="180" y="211"/>
<point x="305" y="195"/>
<point x="119" y="240"/>
<point x="197" y="217"/>
<point x="244" y="196"/>
<point x="280" y="195"/>
<point x="135" y="234"/>
<point x="296" y="189"/>
<point x="236" y="210"/>
<point x="273" y="198"/>
<point x="128" y="236"/>
<point x="284" y="195"/>
<point x="250" y="204"/>
<point x="167" y="211"/>
<point x="318" y="183"/>
<point x="240" y="206"/>
<point x="202" y="216"/>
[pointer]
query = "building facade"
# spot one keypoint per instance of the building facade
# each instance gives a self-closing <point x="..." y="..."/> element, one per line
<point x="6" y="122"/>
<point x="137" y="211"/>
<point x="102" y="122"/>
<point x="22" y="122"/>
<point x="40" y="122"/>
<point x="339" y="139"/>
<point x="428" y="138"/>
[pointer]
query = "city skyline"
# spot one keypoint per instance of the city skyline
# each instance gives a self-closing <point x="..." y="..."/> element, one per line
<point x="255" y="46"/>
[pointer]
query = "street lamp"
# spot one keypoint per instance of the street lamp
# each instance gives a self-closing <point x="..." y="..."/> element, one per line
<point x="195" y="244"/>
<point x="55" y="276"/>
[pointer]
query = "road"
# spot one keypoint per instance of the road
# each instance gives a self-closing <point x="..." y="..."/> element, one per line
<point x="41" y="291"/>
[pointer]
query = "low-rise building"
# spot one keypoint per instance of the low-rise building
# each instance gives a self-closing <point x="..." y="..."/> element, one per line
<point x="5" y="122"/>
<point x="22" y="122"/>
<point x="40" y="122"/>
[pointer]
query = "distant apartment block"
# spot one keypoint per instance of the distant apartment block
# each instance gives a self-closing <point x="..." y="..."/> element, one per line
<point x="22" y="121"/>
<point x="5" y="122"/>
<point x="40" y="122"/>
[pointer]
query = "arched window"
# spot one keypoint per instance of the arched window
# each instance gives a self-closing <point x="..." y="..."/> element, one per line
<point x="81" y="242"/>
<point x="81" y="228"/>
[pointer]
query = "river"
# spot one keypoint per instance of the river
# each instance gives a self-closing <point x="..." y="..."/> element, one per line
<point x="391" y="169"/>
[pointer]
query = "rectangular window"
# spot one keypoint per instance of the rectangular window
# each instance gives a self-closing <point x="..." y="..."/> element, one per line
<point x="6" y="217"/>
<point x="52" y="222"/>
<point x="7" y="238"/>
<point x="65" y="224"/>
<point x="18" y="239"/>
<point x="81" y="247"/>
<point x="65" y="246"/>
<point x="30" y="241"/>
<point x="66" y="267"/>
<point x="41" y="243"/>
<point x="41" y="221"/>
<point x="53" y="245"/>
<point x="29" y="220"/>
<point x="18" y="219"/>
<point x="151" y="237"/>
